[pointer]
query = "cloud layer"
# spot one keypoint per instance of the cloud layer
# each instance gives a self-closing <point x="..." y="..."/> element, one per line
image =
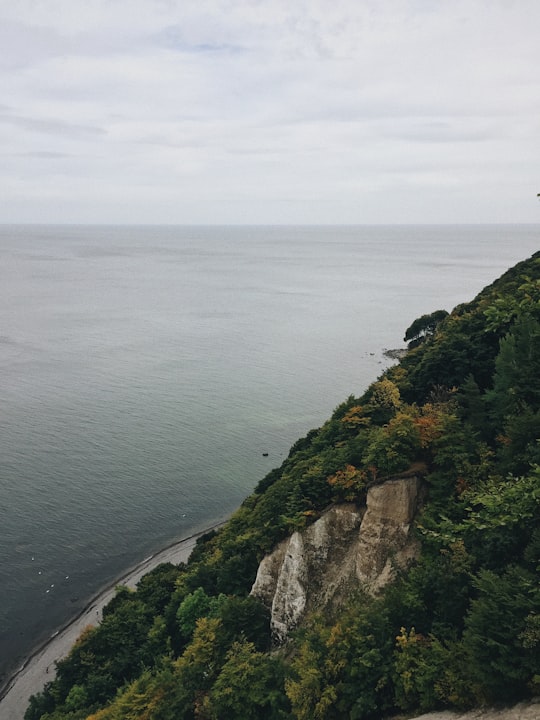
<point x="269" y="111"/>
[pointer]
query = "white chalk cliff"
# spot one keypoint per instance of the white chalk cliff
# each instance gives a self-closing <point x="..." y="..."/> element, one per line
<point x="522" y="711"/>
<point x="346" y="548"/>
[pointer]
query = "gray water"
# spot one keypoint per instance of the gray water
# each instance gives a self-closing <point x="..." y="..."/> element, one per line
<point x="144" y="371"/>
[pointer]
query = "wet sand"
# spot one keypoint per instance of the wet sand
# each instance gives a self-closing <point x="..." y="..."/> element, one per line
<point x="39" y="668"/>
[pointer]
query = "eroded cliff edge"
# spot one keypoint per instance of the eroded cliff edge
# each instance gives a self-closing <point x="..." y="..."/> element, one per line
<point x="348" y="547"/>
<point x="522" y="711"/>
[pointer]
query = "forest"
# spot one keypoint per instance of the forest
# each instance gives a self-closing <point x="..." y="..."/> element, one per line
<point x="458" y="629"/>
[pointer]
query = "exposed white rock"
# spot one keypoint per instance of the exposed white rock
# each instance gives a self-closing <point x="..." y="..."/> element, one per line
<point x="384" y="541"/>
<point x="523" y="711"/>
<point x="290" y="596"/>
<point x="308" y="568"/>
<point x="346" y="548"/>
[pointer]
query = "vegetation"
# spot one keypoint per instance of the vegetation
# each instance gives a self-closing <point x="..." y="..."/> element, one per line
<point x="423" y="328"/>
<point x="458" y="629"/>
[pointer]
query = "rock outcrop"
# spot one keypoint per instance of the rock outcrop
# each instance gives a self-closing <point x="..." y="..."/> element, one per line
<point x="523" y="711"/>
<point x="346" y="548"/>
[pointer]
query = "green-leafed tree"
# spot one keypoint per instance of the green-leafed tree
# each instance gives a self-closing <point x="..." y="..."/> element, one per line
<point x="503" y="664"/>
<point x="423" y="328"/>
<point x="250" y="686"/>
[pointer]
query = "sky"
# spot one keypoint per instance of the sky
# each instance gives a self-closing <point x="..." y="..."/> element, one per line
<point x="269" y="111"/>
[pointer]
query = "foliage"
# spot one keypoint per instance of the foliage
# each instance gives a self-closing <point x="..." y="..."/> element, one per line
<point x="249" y="686"/>
<point x="467" y="342"/>
<point x="503" y="659"/>
<point x="348" y="483"/>
<point x="423" y="328"/>
<point x="430" y="673"/>
<point x="343" y="670"/>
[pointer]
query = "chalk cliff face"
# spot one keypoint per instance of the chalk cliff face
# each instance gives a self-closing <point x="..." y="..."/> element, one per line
<point x="347" y="547"/>
<point x="523" y="711"/>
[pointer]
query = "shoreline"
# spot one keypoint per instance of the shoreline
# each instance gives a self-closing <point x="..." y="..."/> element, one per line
<point x="39" y="667"/>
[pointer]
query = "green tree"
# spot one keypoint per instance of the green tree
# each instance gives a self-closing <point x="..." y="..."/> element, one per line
<point x="430" y="674"/>
<point x="503" y="665"/>
<point x="384" y="400"/>
<point x="417" y="669"/>
<point x="344" y="670"/>
<point x="473" y="410"/>
<point x="393" y="447"/>
<point x="194" y="606"/>
<point x="517" y="370"/>
<point x="250" y="686"/>
<point x="423" y="328"/>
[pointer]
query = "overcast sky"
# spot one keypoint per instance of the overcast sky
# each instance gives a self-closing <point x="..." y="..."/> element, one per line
<point x="270" y="111"/>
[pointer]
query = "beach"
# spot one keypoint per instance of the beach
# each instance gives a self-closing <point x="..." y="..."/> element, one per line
<point x="40" y="668"/>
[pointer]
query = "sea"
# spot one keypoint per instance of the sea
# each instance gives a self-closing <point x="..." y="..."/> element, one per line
<point x="150" y="376"/>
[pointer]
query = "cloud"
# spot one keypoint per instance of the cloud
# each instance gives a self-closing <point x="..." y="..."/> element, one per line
<point x="239" y="110"/>
<point x="45" y="155"/>
<point x="27" y="45"/>
<point x="177" y="38"/>
<point x="50" y="126"/>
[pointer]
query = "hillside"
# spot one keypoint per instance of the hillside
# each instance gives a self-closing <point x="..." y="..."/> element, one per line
<point x="454" y="626"/>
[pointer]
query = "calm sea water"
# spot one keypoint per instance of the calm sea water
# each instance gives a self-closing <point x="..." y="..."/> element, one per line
<point x="145" y="370"/>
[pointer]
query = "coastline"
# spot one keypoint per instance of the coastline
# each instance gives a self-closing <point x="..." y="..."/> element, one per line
<point x="39" y="667"/>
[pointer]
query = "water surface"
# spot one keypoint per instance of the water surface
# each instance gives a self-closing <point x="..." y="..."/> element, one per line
<point x="144" y="371"/>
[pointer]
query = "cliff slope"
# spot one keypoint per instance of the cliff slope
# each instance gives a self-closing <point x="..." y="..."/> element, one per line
<point x="347" y="548"/>
<point x="397" y="595"/>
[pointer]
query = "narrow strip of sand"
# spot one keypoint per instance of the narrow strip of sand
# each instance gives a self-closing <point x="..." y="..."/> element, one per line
<point x="39" y="668"/>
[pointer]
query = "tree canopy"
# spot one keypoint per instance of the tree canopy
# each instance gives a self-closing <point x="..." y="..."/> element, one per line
<point x="423" y="328"/>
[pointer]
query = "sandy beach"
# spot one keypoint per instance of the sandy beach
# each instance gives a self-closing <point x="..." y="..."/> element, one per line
<point x="39" y="668"/>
